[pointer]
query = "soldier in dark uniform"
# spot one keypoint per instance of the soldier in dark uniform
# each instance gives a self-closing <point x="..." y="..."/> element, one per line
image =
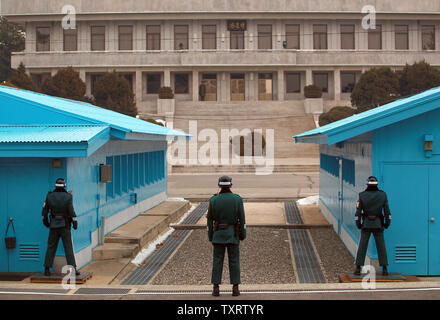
<point x="369" y="219"/>
<point x="226" y="228"/>
<point x="62" y="215"/>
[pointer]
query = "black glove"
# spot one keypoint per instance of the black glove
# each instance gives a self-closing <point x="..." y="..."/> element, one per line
<point x="358" y="225"/>
<point x="75" y="225"/>
<point x="386" y="224"/>
<point x="46" y="223"/>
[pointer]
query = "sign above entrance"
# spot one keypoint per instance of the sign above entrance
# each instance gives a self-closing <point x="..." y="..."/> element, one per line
<point x="237" y="25"/>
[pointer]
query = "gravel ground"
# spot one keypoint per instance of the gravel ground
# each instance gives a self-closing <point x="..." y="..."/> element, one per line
<point x="264" y="256"/>
<point x="335" y="258"/>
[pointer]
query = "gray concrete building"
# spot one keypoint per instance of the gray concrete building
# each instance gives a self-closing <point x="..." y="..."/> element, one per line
<point x="218" y="52"/>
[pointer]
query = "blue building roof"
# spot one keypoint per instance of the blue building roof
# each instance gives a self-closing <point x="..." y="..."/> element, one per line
<point x="373" y="119"/>
<point x="47" y="134"/>
<point x="85" y="113"/>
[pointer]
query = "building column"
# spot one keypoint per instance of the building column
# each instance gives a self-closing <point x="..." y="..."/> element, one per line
<point x="82" y="75"/>
<point x="195" y="85"/>
<point x="281" y="85"/>
<point x="138" y="86"/>
<point x="167" y="78"/>
<point x="337" y="84"/>
<point x="309" y="77"/>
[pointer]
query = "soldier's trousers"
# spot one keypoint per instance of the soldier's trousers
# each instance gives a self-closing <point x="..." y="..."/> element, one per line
<point x="234" y="263"/>
<point x="380" y="245"/>
<point x="52" y="244"/>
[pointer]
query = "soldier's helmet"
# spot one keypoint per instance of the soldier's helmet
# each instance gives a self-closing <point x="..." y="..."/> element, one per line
<point x="224" y="181"/>
<point x="372" y="181"/>
<point x="60" y="183"/>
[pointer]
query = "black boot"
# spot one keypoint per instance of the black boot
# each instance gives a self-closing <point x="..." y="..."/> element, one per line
<point x="384" y="270"/>
<point x="216" y="290"/>
<point x="235" y="291"/>
<point x="357" y="271"/>
<point x="47" y="272"/>
<point x="77" y="273"/>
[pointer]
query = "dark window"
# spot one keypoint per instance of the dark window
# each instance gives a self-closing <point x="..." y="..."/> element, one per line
<point x="428" y="37"/>
<point x="181" y="84"/>
<point x="153" y="37"/>
<point x="264" y="36"/>
<point x="125" y="37"/>
<point x="153" y="83"/>
<point x="348" y="81"/>
<point x="181" y="37"/>
<point x="347" y="36"/>
<point x="43" y="39"/>
<point x="98" y="38"/>
<point x="375" y="38"/>
<point x="237" y="40"/>
<point x="321" y="80"/>
<point x="402" y="37"/>
<point x="293" y="82"/>
<point x="320" y="36"/>
<point x="70" y="39"/>
<point x="292" y="36"/>
<point x="209" y="37"/>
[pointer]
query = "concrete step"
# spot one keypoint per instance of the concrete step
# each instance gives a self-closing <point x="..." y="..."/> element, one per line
<point x="127" y="240"/>
<point x="111" y="251"/>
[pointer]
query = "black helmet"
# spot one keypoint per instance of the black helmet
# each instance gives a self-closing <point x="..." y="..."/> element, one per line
<point x="224" y="181"/>
<point x="60" y="183"/>
<point x="372" y="181"/>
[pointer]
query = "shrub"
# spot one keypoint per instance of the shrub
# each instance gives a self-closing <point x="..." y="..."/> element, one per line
<point x="66" y="83"/>
<point x="417" y="78"/>
<point x="115" y="93"/>
<point x="312" y="91"/>
<point x="335" y="114"/>
<point x="375" y="87"/>
<point x="166" y="93"/>
<point x="20" y="79"/>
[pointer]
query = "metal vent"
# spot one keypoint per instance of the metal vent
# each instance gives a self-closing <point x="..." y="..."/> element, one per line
<point x="29" y="252"/>
<point x="405" y="254"/>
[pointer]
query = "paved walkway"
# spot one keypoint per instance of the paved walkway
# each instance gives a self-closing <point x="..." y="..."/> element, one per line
<point x="249" y="186"/>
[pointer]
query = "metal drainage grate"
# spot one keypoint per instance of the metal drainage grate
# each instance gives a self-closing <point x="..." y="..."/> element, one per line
<point x="307" y="265"/>
<point x="158" y="258"/>
<point x="22" y="290"/>
<point x="104" y="291"/>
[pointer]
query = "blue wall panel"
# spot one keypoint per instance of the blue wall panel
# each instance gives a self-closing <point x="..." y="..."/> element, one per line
<point x="93" y="199"/>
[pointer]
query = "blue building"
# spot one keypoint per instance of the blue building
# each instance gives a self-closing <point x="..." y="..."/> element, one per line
<point x="399" y="143"/>
<point x="43" y="138"/>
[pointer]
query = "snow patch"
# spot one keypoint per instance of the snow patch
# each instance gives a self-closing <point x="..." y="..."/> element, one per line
<point x="143" y="255"/>
<point x="308" y="201"/>
<point x="176" y="199"/>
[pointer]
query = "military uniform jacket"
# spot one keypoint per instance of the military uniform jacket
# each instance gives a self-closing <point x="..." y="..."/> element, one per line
<point x="226" y="208"/>
<point x="369" y="209"/>
<point x="60" y="207"/>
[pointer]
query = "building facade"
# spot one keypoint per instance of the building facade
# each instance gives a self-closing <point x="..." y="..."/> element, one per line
<point x="223" y="52"/>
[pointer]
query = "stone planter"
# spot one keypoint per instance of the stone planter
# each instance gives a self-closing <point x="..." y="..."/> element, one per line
<point x="314" y="105"/>
<point x="165" y="106"/>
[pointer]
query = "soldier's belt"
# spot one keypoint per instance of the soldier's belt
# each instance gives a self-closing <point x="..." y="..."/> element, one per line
<point x="223" y="226"/>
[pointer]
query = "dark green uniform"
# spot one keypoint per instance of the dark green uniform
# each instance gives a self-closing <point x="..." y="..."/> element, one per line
<point x="369" y="219"/>
<point x="59" y="205"/>
<point x="226" y="227"/>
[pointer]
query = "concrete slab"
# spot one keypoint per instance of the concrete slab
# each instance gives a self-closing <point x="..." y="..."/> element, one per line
<point x="260" y="213"/>
<point x="312" y="215"/>
<point x="104" y="271"/>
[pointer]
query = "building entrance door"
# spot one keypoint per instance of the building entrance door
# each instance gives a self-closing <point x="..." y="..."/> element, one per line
<point x="23" y="189"/>
<point x="237" y="87"/>
<point x="413" y="239"/>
